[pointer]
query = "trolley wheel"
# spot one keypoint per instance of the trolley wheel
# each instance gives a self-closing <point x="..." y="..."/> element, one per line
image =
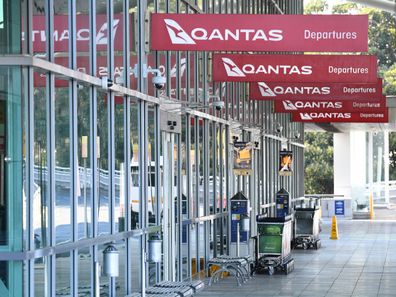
<point x="289" y="267"/>
<point x="318" y="244"/>
<point x="271" y="270"/>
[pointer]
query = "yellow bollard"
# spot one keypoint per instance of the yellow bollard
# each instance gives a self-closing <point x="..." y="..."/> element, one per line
<point x="334" y="228"/>
<point x="371" y="207"/>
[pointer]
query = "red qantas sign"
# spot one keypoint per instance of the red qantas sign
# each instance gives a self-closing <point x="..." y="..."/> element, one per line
<point x="375" y="116"/>
<point x="61" y="32"/>
<point x="295" y="68"/>
<point x="295" y="91"/>
<point x="220" y="32"/>
<point x="359" y="105"/>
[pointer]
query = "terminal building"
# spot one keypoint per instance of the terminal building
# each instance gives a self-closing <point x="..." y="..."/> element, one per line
<point x="99" y="154"/>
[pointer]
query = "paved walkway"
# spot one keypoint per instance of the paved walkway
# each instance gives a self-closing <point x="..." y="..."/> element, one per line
<point x="361" y="263"/>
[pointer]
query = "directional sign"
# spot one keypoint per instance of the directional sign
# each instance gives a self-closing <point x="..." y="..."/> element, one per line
<point x="343" y="117"/>
<point x="311" y="105"/>
<point x="238" y="32"/>
<point x="295" y="68"/>
<point x="317" y="90"/>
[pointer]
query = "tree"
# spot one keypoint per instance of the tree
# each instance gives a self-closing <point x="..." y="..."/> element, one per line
<point x="315" y="6"/>
<point x="319" y="163"/>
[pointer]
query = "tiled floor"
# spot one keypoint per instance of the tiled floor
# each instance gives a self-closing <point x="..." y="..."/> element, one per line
<point x="362" y="262"/>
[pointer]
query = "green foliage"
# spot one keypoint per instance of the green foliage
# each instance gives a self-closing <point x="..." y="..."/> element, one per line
<point x="315" y="6"/>
<point x="318" y="156"/>
<point x="390" y="81"/>
<point x="344" y="8"/>
<point x="382" y="36"/>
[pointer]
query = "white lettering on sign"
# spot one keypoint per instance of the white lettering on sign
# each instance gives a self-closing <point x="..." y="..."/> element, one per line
<point x="266" y="91"/>
<point x="289" y="105"/>
<point x="348" y="70"/>
<point x="372" y="115"/>
<point x="277" y="69"/>
<point x="179" y="36"/>
<point x="360" y="90"/>
<point x="366" y="105"/>
<point x="325" y="115"/>
<point x="332" y="35"/>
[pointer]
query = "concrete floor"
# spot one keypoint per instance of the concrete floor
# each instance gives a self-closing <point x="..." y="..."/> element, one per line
<point x="362" y="262"/>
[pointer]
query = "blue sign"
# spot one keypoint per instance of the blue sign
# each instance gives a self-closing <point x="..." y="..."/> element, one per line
<point x="339" y="207"/>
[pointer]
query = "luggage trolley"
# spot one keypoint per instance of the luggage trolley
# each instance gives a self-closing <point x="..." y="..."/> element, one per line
<point x="307" y="226"/>
<point x="273" y="245"/>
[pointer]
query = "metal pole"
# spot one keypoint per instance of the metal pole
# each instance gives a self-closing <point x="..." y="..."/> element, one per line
<point x="85" y="197"/>
<point x="238" y="240"/>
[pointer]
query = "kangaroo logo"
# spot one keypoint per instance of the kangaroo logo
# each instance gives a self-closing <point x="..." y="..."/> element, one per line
<point x="305" y="116"/>
<point x="232" y="69"/>
<point x="265" y="90"/>
<point x="288" y="105"/>
<point x="102" y="36"/>
<point x="177" y="34"/>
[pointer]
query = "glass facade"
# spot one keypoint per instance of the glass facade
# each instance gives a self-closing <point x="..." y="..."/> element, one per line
<point x="84" y="165"/>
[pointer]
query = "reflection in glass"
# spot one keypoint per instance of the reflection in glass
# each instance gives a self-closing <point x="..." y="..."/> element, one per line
<point x="62" y="274"/>
<point x="103" y="163"/>
<point x="40" y="195"/>
<point x="134" y="163"/>
<point x="63" y="177"/>
<point x="84" y="271"/>
<point x="84" y="164"/>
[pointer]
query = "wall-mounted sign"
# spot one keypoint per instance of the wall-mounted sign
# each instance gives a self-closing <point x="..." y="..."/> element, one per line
<point x="317" y="90"/>
<point x="377" y="116"/>
<point x="242" y="158"/>
<point x="61" y="34"/>
<point x="285" y="162"/>
<point x="339" y="207"/>
<point x="366" y="105"/>
<point x="238" y="32"/>
<point x="295" y="68"/>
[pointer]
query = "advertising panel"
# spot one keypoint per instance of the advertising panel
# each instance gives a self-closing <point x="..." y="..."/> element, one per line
<point x="285" y="162"/>
<point x="238" y="32"/>
<point x="242" y="158"/>
<point x="329" y="105"/>
<point x="377" y="116"/>
<point x="295" y="68"/>
<point x="316" y="90"/>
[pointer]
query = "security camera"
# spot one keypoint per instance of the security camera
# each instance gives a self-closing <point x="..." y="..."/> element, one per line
<point x="219" y="105"/>
<point x="279" y="128"/>
<point x="159" y="82"/>
<point x="106" y="82"/>
<point x="296" y="135"/>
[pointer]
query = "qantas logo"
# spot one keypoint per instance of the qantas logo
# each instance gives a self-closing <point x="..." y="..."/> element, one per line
<point x="235" y="71"/>
<point x="288" y="105"/>
<point x="102" y="36"/>
<point x="232" y="69"/>
<point x="265" y="90"/>
<point x="177" y="34"/>
<point x="324" y="115"/>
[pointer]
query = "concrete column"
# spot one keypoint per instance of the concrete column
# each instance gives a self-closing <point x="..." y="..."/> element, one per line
<point x="350" y="165"/>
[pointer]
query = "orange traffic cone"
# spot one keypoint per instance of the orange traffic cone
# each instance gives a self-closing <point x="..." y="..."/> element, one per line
<point x="334" y="228"/>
